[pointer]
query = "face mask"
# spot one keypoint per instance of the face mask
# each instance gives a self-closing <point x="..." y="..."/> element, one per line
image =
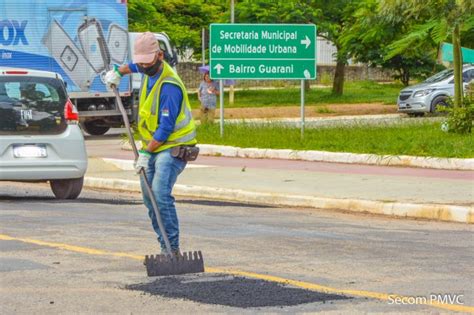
<point x="151" y="70"/>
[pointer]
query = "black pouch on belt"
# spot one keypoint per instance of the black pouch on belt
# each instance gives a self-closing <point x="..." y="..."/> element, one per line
<point x="185" y="152"/>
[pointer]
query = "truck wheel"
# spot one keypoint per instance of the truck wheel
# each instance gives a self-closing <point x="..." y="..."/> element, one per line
<point x="95" y="127"/>
<point x="439" y="102"/>
<point x="67" y="188"/>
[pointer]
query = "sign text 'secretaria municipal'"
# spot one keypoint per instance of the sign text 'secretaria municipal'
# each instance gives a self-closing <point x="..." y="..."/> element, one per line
<point x="239" y="48"/>
<point x="263" y="34"/>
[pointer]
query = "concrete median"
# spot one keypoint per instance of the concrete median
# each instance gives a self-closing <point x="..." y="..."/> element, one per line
<point x="335" y="157"/>
<point x="440" y="212"/>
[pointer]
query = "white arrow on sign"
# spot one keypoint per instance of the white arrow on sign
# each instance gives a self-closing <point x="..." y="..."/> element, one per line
<point x="306" y="41"/>
<point x="218" y="68"/>
<point x="306" y="74"/>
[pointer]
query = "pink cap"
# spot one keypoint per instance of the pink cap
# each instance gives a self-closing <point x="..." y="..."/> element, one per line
<point x="145" y="48"/>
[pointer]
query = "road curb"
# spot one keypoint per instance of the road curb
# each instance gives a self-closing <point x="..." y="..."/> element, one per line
<point x="335" y="157"/>
<point x="439" y="212"/>
<point x="339" y="157"/>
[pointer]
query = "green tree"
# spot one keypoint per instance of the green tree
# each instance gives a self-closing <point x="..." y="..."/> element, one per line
<point x="277" y="11"/>
<point x="367" y="38"/>
<point x="328" y="15"/>
<point x="448" y="19"/>
<point x="334" y="16"/>
<point x="182" y="20"/>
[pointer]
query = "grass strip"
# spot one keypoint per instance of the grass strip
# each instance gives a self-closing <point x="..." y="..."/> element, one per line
<point x="354" y="92"/>
<point x="424" y="139"/>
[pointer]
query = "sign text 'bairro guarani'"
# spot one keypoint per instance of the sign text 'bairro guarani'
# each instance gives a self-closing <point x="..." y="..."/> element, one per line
<point x="263" y="51"/>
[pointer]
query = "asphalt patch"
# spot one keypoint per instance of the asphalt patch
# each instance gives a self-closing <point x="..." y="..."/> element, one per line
<point x="232" y="291"/>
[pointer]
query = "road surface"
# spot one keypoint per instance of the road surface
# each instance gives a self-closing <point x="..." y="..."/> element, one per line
<point x="85" y="256"/>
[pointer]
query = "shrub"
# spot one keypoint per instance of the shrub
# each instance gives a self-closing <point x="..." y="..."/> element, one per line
<point x="460" y="118"/>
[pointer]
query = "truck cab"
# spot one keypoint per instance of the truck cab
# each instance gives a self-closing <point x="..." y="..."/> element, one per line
<point x="171" y="56"/>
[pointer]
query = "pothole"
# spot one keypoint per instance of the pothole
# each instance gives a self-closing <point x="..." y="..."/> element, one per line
<point x="232" y="291"/>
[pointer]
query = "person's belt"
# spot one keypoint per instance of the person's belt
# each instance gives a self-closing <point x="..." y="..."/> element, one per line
<point x="185" y="152"/>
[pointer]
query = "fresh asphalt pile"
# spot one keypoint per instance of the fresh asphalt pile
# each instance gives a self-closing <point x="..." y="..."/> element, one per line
<point x="221" y="289"/>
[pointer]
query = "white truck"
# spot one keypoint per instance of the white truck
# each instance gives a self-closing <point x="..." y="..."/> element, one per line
<point x="62" y="36"/>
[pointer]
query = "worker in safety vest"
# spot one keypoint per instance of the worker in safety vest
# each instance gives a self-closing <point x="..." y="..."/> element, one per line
<point x="165" y="126"/>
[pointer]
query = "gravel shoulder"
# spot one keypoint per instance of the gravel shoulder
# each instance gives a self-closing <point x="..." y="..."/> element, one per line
<point x="326" y="110"/>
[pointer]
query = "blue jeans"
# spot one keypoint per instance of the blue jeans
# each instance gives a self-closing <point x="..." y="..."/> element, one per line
<point x="162" y="172"/>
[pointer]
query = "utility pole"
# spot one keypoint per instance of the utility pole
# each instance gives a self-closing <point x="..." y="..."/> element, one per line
<point x="232" y="20"/>
<point x="232" y="16"/>
<point x="203" y="50"/>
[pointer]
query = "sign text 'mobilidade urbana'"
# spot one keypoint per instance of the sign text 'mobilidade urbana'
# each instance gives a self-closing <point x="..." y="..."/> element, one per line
<point x="259" y="49"/>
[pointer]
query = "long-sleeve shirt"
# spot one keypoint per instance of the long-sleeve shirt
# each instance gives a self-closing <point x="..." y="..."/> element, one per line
<point x="208" y="98"/>
<point x="171" y="98"/>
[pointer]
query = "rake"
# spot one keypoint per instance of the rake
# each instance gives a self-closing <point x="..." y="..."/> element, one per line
<point x="160" y="264"/>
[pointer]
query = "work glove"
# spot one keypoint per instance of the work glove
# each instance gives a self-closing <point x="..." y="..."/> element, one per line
<point x="142" y="160"/>
<point x="113" y="77"/>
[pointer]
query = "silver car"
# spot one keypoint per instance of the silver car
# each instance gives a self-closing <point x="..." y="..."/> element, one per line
<point x="427" y="96"/>
<point x="40" y="139"/>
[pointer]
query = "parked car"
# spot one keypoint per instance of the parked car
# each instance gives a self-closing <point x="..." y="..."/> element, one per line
<point x="40" y="138"/>
<point x="434" y="92"/>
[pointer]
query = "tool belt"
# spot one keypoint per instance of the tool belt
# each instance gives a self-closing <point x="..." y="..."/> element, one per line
<point x="185" y="152"/>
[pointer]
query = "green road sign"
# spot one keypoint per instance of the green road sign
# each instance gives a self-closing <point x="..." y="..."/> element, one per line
<point x="262" y="51"/>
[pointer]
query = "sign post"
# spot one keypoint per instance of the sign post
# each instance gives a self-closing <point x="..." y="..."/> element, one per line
<point x="221" y="108"/>
<point x="263" y="52"/>
<point x="302" y="110"/>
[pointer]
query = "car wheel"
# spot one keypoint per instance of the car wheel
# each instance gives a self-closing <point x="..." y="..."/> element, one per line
<point x="438" y="103"/>
<point x="67" y="188"/>
<point x="95" y="127"/>
<point x="416" y="114"/>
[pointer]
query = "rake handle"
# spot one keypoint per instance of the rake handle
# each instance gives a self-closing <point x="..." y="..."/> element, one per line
<point x="106" y="59"/>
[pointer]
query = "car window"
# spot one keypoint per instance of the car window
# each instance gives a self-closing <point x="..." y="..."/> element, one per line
<point x="162" y="45"/>
<point x="443" y="75"/>
<point x="31" y="105"/>
<point x="168" y="55"/>
<point x="468" y="76"/>
<point x="12" y="90"/>
<point x="36" y="91"/>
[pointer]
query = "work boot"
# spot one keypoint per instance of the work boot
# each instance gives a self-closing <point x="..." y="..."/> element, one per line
<point x="175" y="252"/>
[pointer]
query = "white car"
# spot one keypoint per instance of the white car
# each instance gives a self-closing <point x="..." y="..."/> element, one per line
<point x="40" y="138"/>
<point x="432" y="93"/>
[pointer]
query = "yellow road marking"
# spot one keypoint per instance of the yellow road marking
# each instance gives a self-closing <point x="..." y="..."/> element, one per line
<point x="296" y="283"/>
<point x="71" y="248"/>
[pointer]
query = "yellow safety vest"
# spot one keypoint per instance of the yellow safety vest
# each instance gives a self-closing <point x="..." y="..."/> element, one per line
<point x="184" y="132"/>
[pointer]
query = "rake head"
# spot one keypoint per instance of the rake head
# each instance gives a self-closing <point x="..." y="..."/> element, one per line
<point x="164" y="265"/>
